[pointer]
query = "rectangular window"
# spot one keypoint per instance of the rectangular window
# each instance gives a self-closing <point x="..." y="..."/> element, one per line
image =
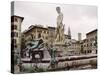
<point x="90" y="44"/>
<point x="12" y="19"/>
<point x="14" y="34"/>
<point x="87" y="45"/>
<point x="15" y="19"/>
<point x="15" y="46"/>
<point x="44" y="31"/>
<point x="87" y="40"/>
<point x="14" y="27"/>
<point x="13" y="41"/>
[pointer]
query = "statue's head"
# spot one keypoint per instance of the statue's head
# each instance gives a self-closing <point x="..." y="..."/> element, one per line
<point x="58" y="9"/>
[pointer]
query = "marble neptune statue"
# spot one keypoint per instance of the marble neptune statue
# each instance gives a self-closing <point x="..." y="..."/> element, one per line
<point x="60" y="26"/>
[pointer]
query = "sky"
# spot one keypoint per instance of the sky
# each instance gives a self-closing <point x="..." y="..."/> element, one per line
<point x="80" y="18"/>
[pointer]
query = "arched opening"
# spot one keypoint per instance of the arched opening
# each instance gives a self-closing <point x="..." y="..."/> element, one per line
<point x="39" y="35"/>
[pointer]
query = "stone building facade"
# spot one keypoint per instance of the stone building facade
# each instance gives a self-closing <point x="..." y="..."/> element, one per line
<point x="84" y="46"/>
<point x="74" y="48"/>
<point x="87" y="45"/>
<point x="36" y="32"/>
<point x="92" y="41"/>
<point x="16" y="22"/>
<point x="47" y="34"/>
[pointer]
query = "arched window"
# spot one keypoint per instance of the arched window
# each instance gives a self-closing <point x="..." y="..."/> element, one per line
<point x="39" y="35"/>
